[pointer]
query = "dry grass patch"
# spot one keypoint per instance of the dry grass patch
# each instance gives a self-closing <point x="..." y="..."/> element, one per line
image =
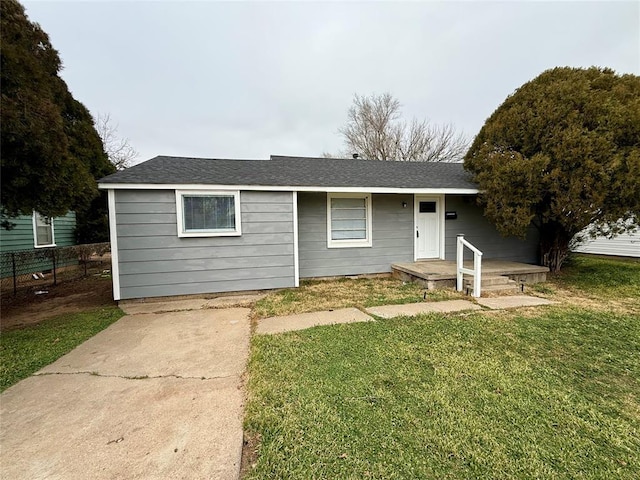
<point x="317" y="295"/>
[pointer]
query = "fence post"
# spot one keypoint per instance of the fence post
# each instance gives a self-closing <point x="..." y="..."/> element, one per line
<point x="15" y="279"/>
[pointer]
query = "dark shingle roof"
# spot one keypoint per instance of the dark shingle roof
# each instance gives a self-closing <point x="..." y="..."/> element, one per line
<point x="296" y="172"/>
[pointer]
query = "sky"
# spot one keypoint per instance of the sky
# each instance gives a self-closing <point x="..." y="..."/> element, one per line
<point x="250" y="80"/>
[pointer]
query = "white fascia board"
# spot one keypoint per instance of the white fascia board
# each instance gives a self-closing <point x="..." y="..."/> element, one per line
<point x="273" y="188"/>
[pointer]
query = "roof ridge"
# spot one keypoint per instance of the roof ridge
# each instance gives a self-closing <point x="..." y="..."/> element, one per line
<point x="361" y="159"/>
<point x="210" y="159"/>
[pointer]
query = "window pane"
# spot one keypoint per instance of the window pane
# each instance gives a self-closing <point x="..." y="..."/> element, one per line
<point x="348" y="203"/>
<point x="44" y="235"/>
<point x="356" y="224"/>
<point x="348" y="213"/>
<point x="348" y="219"/>
<point x="209" y="213"/>
<point x="348" y="235"/>
<point x="427" y="207"/>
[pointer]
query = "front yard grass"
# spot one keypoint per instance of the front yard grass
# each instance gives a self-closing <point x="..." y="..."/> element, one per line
<point x="601" y="277"/>
<point x="552" y="392"/>
<point x="316" y="295"/>
<point x="26" y="350"/>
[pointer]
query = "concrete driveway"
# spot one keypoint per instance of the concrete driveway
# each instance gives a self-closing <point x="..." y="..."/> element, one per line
<point x="152" y="396"/>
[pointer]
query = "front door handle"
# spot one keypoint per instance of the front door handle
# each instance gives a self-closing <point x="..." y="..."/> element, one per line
<point x="417" y="233"/>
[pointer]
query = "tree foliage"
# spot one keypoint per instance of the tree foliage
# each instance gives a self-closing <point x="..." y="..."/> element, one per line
<point x="563" y="152"/>
<point x="375" y="130"/>
<point x="51" y="152"/>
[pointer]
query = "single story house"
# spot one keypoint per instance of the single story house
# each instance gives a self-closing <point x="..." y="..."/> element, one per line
<point x="36" y="231"/>
<point x="192" y="225"/>
<point x="32" y="236"/>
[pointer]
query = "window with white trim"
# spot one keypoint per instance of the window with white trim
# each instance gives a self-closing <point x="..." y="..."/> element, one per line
<point x="208" y="213"/>
<point x="43" y="235"/>
<point x="348" y="220"/>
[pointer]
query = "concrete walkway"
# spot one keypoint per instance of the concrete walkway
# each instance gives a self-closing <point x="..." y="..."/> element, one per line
<point x="411" y="309"/>
<point x="301" y="321"/>
<point x="152" y="396"/>
<point x="513" y="301"/>
<point x="133" y="307"/>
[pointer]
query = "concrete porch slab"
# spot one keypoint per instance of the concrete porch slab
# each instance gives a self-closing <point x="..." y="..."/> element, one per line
<point x="440" y="269"/>
<point x="513" y="301"/>
<point x="411" y="309"/>
<point x="301" y="321"/>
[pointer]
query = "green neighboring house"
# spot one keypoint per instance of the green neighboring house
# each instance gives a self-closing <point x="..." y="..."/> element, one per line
<point x="31" y="242"/>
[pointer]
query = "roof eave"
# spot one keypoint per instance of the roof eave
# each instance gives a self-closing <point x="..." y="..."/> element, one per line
<point x="288" y="188"/>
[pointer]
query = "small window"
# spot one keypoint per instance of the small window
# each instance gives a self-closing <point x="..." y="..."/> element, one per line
<point x="427" y="207"/>
<point x="42" y="231"/>
<point x="348" y="220"/>
<point x="208" y="214"/>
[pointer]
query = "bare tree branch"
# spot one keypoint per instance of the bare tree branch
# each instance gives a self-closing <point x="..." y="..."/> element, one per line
<point x="118" y="149"/>
<point x="376" y="131"/>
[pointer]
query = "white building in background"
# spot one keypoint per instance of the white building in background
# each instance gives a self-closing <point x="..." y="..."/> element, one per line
<point x="623" y="245"/>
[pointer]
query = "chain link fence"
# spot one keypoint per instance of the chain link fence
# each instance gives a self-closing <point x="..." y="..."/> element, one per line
<point x="48" y="266"/>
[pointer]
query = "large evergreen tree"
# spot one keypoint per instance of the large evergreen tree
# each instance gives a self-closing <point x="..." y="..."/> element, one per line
<point x="563" y="152"/>
<point x="51" y="153"/>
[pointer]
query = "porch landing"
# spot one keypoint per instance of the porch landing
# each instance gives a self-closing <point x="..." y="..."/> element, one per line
<point x="433" y="274"/>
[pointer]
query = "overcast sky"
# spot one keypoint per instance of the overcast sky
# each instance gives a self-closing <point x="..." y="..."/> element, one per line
<point x="247" y="80"/>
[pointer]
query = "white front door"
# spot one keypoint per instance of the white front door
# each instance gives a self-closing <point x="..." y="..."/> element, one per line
<point x="427" y="213"/>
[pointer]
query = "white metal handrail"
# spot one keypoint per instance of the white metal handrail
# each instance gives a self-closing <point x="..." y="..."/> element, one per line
<point x="476" y="272"/>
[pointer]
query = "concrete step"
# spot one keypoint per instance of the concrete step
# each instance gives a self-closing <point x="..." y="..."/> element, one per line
<point x="488" y="280"/>
<point x="492" y="285"/>
<point x="492" y="290"/>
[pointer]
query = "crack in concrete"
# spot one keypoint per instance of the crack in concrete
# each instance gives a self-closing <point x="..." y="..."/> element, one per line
<point x="133" y="377"/>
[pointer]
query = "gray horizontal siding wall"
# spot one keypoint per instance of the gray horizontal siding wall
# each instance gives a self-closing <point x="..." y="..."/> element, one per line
<point x="481" y="233"/>
<point x="392" y="238"/>
<point x="154" y="261"/>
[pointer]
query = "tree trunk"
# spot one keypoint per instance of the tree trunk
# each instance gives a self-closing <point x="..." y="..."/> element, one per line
<point x="554" y="246"/>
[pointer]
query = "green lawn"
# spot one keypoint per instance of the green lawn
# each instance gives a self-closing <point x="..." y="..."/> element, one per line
<point x="603" y="277"/>
<point x="552" y="392"/>
<point x="26" y="350"/>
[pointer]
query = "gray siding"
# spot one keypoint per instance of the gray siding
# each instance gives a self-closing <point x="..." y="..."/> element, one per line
<point x="392" y="238"/>
<point x="481" y="233"/>
<point x="154" y="261"/>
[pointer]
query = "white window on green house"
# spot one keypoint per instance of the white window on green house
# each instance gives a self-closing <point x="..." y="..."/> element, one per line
<point x="43" y="235"/>
<point x="208" y="213"/>
<point x="348" y="220"/>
